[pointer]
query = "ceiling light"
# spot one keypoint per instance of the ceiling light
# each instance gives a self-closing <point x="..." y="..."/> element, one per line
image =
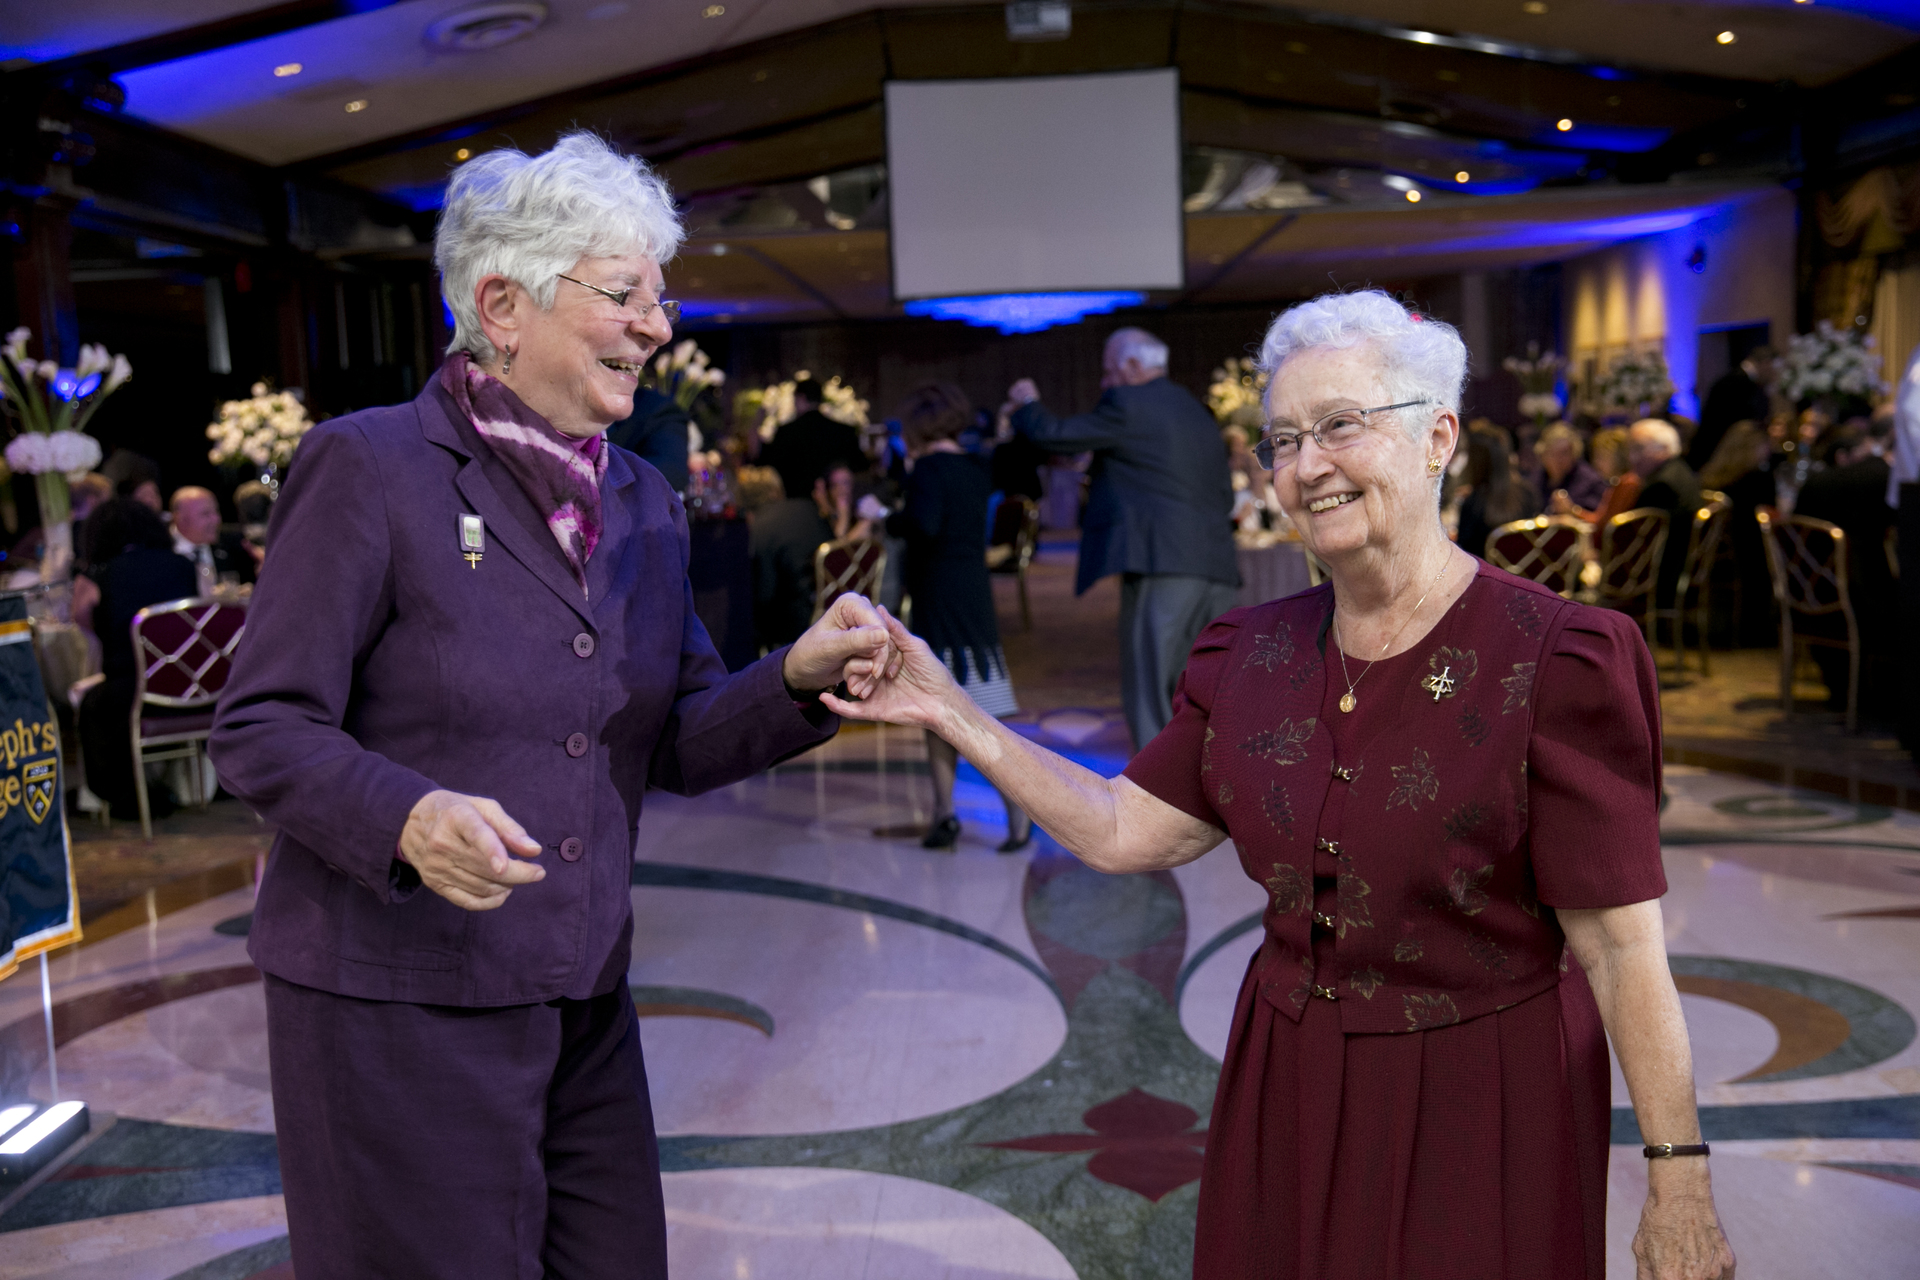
<point x="1534" y="7"/>
<point x="1563" y="125"/>
<point x="463" y="154"/>
<point x="1462" y="176"/>
<point x="1726" y="37"/>
<point x="714" y="11"/>
<point x="480" y="27"/>
<point x="1413" y="197"/>
<point x="288" y="69"/>
<point x="356" y="106"/>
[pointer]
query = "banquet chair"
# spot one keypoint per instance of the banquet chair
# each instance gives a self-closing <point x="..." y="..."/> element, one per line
<point x="1705" y="530"/>
<point x="1631" y="545"/>
<point x="182" y="656"/>
<point x="1808" y="561"/>
<point x="1549" y="550"/>
<point x="1011" y="543"/>
<point x="848" y="564"/>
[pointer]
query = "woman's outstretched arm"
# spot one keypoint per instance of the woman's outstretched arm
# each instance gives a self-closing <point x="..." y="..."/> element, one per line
<point x="1109" y="823"/>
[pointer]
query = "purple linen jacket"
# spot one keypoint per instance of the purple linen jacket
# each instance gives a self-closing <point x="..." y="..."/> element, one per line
<point x="381" y="663"/>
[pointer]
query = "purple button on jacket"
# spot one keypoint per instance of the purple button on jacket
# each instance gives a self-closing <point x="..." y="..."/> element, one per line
<point x="380" y="663"/>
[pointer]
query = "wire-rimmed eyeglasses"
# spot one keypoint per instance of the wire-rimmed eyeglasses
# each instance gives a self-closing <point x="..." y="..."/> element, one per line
<point x="619" y="299"/>
<point x="1338" y="430"/>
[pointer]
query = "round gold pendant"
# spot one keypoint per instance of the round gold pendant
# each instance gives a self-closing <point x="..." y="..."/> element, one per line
<point x="1346" y="701"/>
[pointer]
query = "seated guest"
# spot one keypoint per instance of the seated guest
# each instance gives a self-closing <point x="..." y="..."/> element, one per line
<point x="1565" y="483"/>
<point x="132" y="566"/>
<point x="806" y="446"/>
<point x="1851" y="491"/>
<point x="135" y="477"/>
<point x="1496" y="492"/>
<point x="84" y="494"/>
<point x="1668" y="484"/>
<point x="785" y="534"/>
<point x="253" y="503"/>
<point x="1739" y="468"/>
<point x="199" y="539"/>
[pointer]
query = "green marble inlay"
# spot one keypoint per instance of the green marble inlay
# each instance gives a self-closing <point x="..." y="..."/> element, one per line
<point x="1880" y="1028"/>
<point x="1106" y="916"/>
<point x="1121" y="1035"/>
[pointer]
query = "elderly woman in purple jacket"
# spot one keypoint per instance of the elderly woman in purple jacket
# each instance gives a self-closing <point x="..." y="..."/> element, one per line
<point x="472" y="652"/>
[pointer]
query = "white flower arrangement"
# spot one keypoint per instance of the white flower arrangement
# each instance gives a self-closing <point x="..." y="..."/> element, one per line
<point x="684" y="373"/>
<point x="50" y="406"/>
<point x="1831" y="361"/>
<point x="1635" y="382"/>
<point x="261" y="432"/>
<point x="1539" y="375"/>
<point x="1236" y="393"/>
<point x="770" y="408"/>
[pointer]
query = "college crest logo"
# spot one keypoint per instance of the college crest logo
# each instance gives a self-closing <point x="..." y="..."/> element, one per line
<point x="40" y="777"/>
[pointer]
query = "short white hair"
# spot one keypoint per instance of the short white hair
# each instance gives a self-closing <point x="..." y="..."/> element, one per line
<point x="1137" y="344"/>
<point x="1656" y="431"/>
<point x="1421" y="358"/>
<point x="529" y="218"/>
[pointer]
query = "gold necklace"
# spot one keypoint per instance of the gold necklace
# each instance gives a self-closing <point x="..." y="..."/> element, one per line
<point x="1347" y="700"/>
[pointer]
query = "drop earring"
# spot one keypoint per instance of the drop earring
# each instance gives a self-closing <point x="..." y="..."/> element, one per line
<point x="506" y="365"/>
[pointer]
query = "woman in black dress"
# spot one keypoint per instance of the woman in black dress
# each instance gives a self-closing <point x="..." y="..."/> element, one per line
<point x="945" y="527"/>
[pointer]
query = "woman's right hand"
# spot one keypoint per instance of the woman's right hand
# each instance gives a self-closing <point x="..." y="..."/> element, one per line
<point x="915" y="690"/>
<point x="459" y="845"/>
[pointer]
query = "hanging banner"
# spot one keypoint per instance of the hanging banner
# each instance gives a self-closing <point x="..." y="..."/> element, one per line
<point x="39" y="909"/>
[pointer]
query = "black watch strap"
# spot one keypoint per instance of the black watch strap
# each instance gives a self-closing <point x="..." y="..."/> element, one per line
<point x="1668" y="1150"/>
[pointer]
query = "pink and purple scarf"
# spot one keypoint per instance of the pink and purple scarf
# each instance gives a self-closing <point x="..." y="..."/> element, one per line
<point x="559" y="474"/>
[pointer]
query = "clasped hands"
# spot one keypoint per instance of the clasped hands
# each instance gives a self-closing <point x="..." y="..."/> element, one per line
<point x="471" y="852"/>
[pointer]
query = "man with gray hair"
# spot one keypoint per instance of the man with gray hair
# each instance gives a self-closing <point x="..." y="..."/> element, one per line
<point x="1668" y="483"/>
<point x="1157" y="514"/>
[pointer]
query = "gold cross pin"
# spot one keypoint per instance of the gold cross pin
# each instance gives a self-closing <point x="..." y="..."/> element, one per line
<point x="473" y="558"/>
<point x="1440" y="686"/>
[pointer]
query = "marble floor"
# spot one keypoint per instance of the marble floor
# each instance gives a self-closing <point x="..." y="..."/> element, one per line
<point x="873" y="1061"/>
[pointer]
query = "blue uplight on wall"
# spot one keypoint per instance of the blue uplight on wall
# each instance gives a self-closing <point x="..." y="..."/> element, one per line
<point x="1023" y="312"/>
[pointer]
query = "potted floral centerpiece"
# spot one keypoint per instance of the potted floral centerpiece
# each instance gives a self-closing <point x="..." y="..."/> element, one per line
<point x="260" y="433"/>
<point x="1235" y="396"/>
<point x="1539" y="376"/>
<point x="49" y="407"/>
<point x="1840" y="367"/>
<point x="1635" y="385"/>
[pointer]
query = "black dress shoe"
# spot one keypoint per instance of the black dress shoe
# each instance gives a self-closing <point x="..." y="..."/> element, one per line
<point x="943" y="834"/>
<point x="1013" y="844"/>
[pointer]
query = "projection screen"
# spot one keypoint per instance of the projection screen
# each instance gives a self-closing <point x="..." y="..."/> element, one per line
<point x="1032" y="185"/>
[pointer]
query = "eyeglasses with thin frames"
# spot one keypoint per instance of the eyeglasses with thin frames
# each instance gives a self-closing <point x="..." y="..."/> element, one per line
<point x="1340" y="429"/>
<point x="619" y="299"/>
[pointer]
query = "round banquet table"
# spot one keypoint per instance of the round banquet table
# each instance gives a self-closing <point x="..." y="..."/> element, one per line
<point x="1270" y="569"/>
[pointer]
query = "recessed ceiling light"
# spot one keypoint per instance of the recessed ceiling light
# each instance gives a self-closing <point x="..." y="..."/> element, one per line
<point x="463" y="154"/>
<point x="357" y="105"/>
<point x="1413" y="197"/>
<point x="714" y="11"/>
<point x="1462" y="176"/>
<point x="480" y="27"/>
<point x="1726" y="37"/>
<point x="288" y="69"/>
<point x="1534" y="7"/>
<point x="1563" y="125"/>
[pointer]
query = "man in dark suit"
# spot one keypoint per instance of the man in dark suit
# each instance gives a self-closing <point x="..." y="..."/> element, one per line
<point x="1157" y="514"/>
<point x="198" y="536"/>
<point x="657" y="430"/>
<point x="1668" y="483"/>
<point x="805" y="448"/>
<point x="1739" y="395"/>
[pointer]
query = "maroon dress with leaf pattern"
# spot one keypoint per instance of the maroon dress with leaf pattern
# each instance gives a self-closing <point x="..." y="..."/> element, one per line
<point x="1416" y="1079"/>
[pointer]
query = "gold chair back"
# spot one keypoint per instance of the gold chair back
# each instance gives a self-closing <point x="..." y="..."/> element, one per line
<point x="1549" y="550"/>
<point x="1631" y="546"/>
<point x="848" y="564"/>
<point x="1808" y="561"/>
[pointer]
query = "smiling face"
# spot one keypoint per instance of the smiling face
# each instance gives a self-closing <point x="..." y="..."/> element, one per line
<point x="1373" y="492"/>
<point x="578" y="363"/>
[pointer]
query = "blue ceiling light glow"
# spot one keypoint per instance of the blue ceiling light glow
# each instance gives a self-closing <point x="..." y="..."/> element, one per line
<point x="1023" y="312"/>
<point x="1603" y="137"/>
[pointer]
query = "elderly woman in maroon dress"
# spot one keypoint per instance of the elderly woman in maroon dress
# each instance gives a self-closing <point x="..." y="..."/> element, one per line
<point x="1447" y="779"/>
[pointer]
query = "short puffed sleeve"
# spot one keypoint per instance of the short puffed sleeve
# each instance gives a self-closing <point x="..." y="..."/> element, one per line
<point x="1593" y="767"/>
<point x="1168" y="767"/>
